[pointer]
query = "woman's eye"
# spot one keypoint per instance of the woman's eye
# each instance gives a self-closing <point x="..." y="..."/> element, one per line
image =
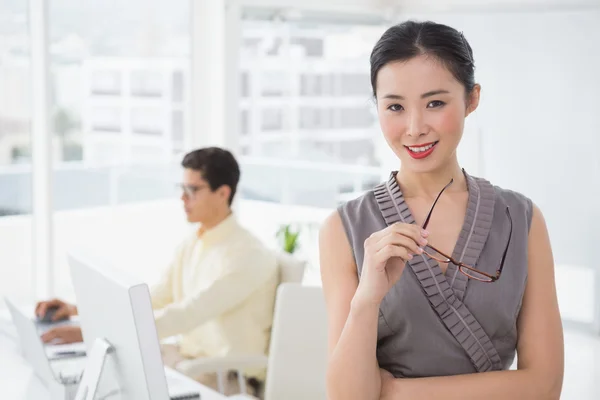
<point x="435" y="104"/>
<point x="395" y="107"/>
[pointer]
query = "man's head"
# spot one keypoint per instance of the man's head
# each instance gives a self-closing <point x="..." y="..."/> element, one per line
<point x="210" y="180"/>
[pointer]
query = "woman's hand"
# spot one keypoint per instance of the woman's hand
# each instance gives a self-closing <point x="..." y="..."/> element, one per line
<point x="386" y="253"/>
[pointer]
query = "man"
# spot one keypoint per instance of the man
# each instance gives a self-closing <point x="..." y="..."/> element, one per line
<point x="219" y="291"/>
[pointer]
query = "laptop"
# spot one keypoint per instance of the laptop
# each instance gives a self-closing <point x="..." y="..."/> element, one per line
<point x="55" y="369"/>
<point x="66" y="372"/>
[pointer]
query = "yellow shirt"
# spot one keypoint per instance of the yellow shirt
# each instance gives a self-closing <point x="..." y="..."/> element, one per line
<point x="219" y="294"/>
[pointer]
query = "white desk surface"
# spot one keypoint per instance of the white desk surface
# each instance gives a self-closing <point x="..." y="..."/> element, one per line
<point x="19" y="382"/>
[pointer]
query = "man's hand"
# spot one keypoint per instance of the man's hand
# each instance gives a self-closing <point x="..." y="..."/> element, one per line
<point x="63" y="335"/>
<point x="64" y="311"/>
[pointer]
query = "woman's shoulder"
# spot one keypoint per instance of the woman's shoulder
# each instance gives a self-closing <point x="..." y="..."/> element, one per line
<point x="359" y="207"/>
<point x="360" y="217"/>
<point x="512" y="196"/>
<point x="520" y="205"/>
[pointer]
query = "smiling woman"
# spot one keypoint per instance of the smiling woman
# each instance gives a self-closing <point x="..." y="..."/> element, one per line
<point x="398" y="306"/>
<point x="424" y="96"/>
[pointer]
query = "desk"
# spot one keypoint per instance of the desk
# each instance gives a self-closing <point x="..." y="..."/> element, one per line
<point x="19" y="382"/>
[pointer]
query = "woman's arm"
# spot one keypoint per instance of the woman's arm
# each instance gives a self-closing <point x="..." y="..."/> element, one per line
<point x="353" y="371"/>
<point x="540" y="347"/>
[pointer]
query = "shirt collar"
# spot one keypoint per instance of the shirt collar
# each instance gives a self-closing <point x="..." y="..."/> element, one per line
<point x="219" y="232"/>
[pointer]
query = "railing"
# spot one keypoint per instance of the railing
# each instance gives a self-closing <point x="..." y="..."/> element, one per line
<point x="132" y="213"/>
<point x="78" y="185"/>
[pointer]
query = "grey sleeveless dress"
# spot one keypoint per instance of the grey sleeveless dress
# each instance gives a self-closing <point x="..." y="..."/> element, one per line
<point x="436" y="324"/>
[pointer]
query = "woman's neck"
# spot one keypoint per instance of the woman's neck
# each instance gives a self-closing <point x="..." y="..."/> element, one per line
<point x="427" y="185"/>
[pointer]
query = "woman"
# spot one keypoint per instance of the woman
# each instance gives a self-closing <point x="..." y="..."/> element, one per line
<point x="437" y="293"/>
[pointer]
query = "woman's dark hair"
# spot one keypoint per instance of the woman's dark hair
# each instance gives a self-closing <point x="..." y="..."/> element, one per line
<point x="216" y="165"/>
<point x="410" y="39"/>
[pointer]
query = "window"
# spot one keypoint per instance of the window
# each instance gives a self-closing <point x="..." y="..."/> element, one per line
<point x="244" y="85"/>
<point x="106" y="119"/>
<point x="120" y="73"/>
<point x="312" y="118"/>
<point x="311" y="47"/>
<point x="244" y="122"/>
<point x="146" y="84"/>
<point x="274" y="83"/>
<point x="317" y="85"/>
<point x="99" y="152"/>
<point x="312" y="110"/>
<point x="106" y="83"/>
<point x="177" y="126"/>
<point x="20" y="155"/>
<point x="272" y="119"/>
<point x="354" y="152"/>
<point x="15" y="153"/>
<point x="357" y="117"/>
<point x="148" y="121"/>
<point x="354" y="85"/>
<point x="177" y="86"/>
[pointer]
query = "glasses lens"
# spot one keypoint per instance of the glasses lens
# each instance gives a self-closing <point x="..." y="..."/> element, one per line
<point x="435" y="255"/>
<point x="474" y="274"/>
<point x="188" y="191"/>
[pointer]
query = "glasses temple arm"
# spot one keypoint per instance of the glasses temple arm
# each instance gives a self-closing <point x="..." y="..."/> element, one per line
<point x="434" y="203"/>
<point x="507" y="243"/>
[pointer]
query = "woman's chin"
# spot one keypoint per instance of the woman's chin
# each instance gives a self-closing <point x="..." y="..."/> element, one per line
<point x="420" y="166"/>
<point x="431" y="163"/>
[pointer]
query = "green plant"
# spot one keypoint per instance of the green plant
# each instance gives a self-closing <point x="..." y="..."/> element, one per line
<point x="288" y="238"/>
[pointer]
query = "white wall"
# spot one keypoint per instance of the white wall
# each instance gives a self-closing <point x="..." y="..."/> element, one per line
<point x="539" y="118"/>
<point x="138" y="238"/>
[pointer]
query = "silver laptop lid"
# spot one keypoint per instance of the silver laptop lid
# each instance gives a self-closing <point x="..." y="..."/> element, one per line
<point x="32" y="347"/>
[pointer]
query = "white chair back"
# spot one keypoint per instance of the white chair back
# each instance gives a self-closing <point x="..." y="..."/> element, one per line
<point x="298" y="348"/>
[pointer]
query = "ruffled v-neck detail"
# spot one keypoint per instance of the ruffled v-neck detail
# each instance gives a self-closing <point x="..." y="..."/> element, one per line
<point x="446" y="292"/>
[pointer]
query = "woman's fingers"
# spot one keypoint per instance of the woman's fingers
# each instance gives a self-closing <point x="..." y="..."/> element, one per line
<point x="413" y="231"/>
<point x="402" y="239"/>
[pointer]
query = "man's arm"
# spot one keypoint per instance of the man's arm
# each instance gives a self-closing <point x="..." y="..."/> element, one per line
<point x="246" y="272"/>
<point x="161" y="292"/>
<point x="540" y="347"/>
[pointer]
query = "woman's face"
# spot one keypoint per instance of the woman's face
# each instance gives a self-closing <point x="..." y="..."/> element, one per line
<point x="422" y="110"/>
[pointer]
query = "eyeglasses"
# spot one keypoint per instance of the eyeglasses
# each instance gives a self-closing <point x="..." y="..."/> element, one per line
<point x="468" y="270"/>
<point x="189" y="190"/>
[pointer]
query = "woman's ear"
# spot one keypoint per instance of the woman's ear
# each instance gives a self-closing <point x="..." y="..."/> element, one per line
<point x="473" y="99"/>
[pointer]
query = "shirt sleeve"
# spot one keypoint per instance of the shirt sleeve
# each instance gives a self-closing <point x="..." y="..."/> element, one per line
<point x="243" y="274"/>
<point x="161" y="292"/>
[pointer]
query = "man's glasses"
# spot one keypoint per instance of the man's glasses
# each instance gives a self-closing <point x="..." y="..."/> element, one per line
<point x="468" y="270"/>
<point x="189" y="190"/>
